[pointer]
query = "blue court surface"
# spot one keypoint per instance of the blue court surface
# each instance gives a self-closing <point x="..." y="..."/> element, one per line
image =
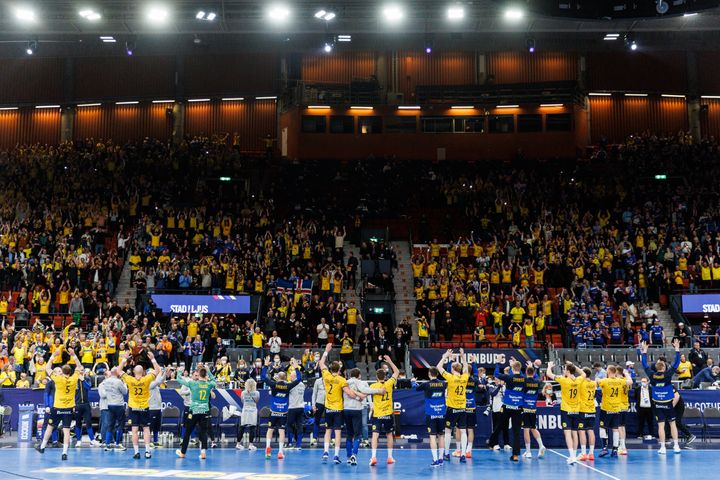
<point x="228" y="464"/>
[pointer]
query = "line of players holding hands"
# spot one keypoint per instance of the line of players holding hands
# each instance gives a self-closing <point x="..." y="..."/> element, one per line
<point x="449" y="404"/>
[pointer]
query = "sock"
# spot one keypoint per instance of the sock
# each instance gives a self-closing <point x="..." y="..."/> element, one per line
<point x="448" y="445"/>
<point x="65" y="448"/>
<point x="540" y="443"/>
<point x="118" y="437"/>
<point x="592" y="449"/>
<point x="356" y="446"/>
<point x="571" y="452"/>
<point x="78" y="434"/>
<point x="348" y="447"/>
<point x="337" y="449"/>
<point x="147" y="447"/>
<point x="44" y="443"/>
<point x="91" y="433"/>
<point x="458" y="443"/>
<point x="327" y="447"/>
<point x="463" y="441"/>
<point x="527" y="446"/>
<point x="267" y="442"/>
<point x="374" y="453"/>
<point x="280" y="448"/>
<point x="675" y="443"/>
<point x="468" y="449"/>
<point x="434" y="454"/>
<point x="390" y="452"/>
<point x="582" y="449"/>
<point x="616" y="438"/>
<point x="154" y="435"/>
<point x="298" y="440"/>
<point x="622" y="443"/>
<point x="136" y="448"/>
<point x="441" y="453"/>
<point x="54" y="436"/>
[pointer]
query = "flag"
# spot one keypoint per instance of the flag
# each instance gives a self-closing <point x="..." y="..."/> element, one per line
<point x="305" y="287"/>
<point x="282" y="286"/>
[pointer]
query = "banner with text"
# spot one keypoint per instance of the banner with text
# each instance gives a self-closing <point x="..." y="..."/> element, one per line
<point x="429" y="357"/>
<point x="709" y="303"/>
<point x="202" y="304"/>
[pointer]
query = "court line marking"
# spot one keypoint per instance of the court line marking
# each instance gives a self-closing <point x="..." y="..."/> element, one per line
<point x="586" y="466"/>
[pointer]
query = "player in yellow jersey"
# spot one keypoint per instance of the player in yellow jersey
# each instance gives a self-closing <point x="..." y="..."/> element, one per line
<point x="139" y="400"/>
<point x="381" y="420"/>
<point x="63" y="406"/>
<point x="625" y="404"/>
<point x="611" y="405"/>
<point x="570" y="384"/>
<point x="455" y="397"/>
<point x="587" y="418"/>
<point x="335" y="385"/>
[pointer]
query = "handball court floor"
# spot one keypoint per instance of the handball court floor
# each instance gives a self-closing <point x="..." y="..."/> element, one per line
<point x="412" y="463"/>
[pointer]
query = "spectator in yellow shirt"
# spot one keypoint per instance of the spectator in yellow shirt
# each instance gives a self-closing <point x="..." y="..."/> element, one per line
<point x="517" y="312"/>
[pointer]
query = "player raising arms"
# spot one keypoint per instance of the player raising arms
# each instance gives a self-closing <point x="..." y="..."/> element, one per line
<point x="513" y="401"/>
<point x="456" y="401"/>
<point x="335" y="385"/>
<point x="382" y="411"/>
<point x="570" y="383"/>
<point x="434" y="413"/>
<point x="529" y="411"/>
<point x="586" y="426"/>
<point x="66" y="384"/>
<point x="200" y="390"/>
<point x="611" y="405"/>
<point x="279" y="403"/>
<point x="660" y="377"/>
<point x="139" y="401"/>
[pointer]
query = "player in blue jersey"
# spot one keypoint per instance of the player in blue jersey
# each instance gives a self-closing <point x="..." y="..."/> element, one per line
<point x="435" y="407"/>
<point x="660" y="377"/>
<point x="279" y="402"/>
<point x="513" y="401"/>
<point x="529" y="411"/>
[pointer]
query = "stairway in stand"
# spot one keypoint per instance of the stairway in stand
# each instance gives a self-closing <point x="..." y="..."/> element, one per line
<point x="404" y="287"/>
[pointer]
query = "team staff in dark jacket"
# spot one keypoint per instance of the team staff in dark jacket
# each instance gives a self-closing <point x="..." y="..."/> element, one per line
<point x="706" y="375"/>
<point x="83" y="412"/>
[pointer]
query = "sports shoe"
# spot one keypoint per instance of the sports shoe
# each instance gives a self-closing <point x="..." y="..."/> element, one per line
<point x="78" y="444"/>
<point x="240" y="446"/>
<point x="391" y="460"/>
<point x="440" y="461"/>
<point x="137" y="456"/>
<point x="614" y="452"/>
<point x="446" y="457"/>
<point x="120" y="447"/>
<point x="582" y="457"/>
<point x="571" y="460"/>
<point x="252" y="447"/>
<point x="677" y="449"/>
<point x="64" y="457"/>
<point x="496" y="448"/>
<point x="268" y="453"/>
<point x="179" y="453"/>
<point x="662" y="450"/>
<point x="203" y="456"/>
<point x="313" y="443"/>
<point x="691" y="439"/>
<point x="373" y="462"/>
<point x="463" y="459"/>
<point x="622" y="451"/>
<point x="468" y="454"/>
<point x="541" y="453"/>
<point x="95" y="443"/>
<point x="353" y="460"/>
<point x="604" y="452"/>
<point x="107" y="448"/>
<point x="298" y="447"/>
<point x="647" y="437"/>
<point x="148" y="455"/>
<point x="514" y="458"/>
<point x="508" y="448"/>
<point x="527" y="455"/>
<point x="435" y="463"/>
<point x="40" y="449"/>
<point x="456" y="453"/>
<point x="325" y="457"/>
<point x="336" y="460"/>
<point x="591" y="457"/>
<point x="280" y="456"/>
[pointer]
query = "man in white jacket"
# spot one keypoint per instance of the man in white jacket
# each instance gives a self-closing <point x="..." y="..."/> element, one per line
<point x="353" y="413"/>
<point x="112" y="391"/>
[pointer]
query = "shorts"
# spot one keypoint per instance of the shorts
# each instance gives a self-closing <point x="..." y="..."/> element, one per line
<point x="470" y="418"/>
<point x="569" y="420"/>
<point x="664" y="412"/>
<point x="277" y="420"/>
<point x="60" y="416"/>
<point x="623" y="418"/>
<point x="139" y="417"/>
<point x="529" y="420"/>
<point x="455" y="417"/>
<point x="435" y="425"/>
<point x="609" y="420"/>
<point x="382" y="425"/>
<point x="586" y="421"/>
<point x="333" y="419"/>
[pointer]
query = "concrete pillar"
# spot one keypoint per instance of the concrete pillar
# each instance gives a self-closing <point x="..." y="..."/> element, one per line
<point x="381" y="70"/>
<point x="178" y="131"/>
<point x="693" y="108"/>
<point x="283" y="73"/>
<point x="480" y="69"/>
<point x="582" y="70"/>
<point x="67" y="124"/>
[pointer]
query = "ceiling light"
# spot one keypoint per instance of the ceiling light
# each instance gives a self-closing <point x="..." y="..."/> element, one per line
<point x="344" y="38"/>
<point x="192" y="100"/>
<point x="200" y="15"/>
<point x="360" y="108"/>
<point x="25" y="14"/>
<point x="633" y="46"/>
<point x="232" y="99"/>
<point x="108" y="39"/>
<point x="612" y="35"/>
<point x="710" y="97"/>
<point x="163" y="101"/>
<point x="530" y="44"/>
<point x="90" y="15"/>
<point x="507" y="106"/>
<point x="278" y="13"/>
<point x="455" y="13"/>
<point x="599" y="94"/>
<point x="318" y="107"/>
<point x="131" y="102"/>
<point x="31" y="47"/>
<point x="393" y="13"/>
<point x="690" y="14"/>
<point x="129" y="48"/>
<point x="462" y="107"/>
<point x="409" y="107"/>
<point x="8" y="108"/>
<point x="636" y="94"/>
<point x="88" y="104"/>
<point x="549" y="105"/>
<point x="273" y="97"/>
<point x="669" y="95"/>
<point x="157" y="14"/>
<point x="48" y="106"/>
<point x="320" y="14"/>
<point x="514" y="14"/>
<point x="327" y="48"/>
<point x="211" y="16"/>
